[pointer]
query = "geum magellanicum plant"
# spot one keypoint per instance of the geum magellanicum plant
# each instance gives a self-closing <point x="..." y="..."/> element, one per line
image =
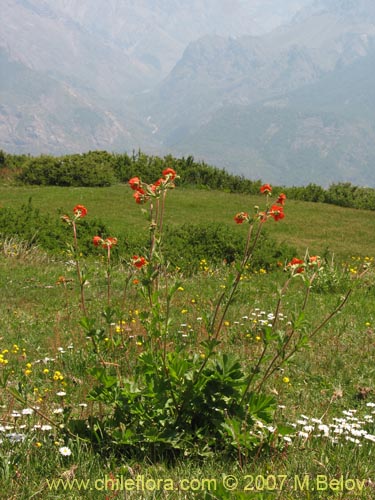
<point x="79" y="211"/>
<point x="170" y="397"/>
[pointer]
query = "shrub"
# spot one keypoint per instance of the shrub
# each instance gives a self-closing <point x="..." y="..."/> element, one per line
<point x="188" y="244"/>
<point x="90" y="169"/>
<point x="45" y="230"/>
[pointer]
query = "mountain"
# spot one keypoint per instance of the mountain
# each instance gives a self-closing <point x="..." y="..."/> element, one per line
<point x="235" y="102"/>
<point x="266" y="88"/>
<point x="322" y="133"/>
<point x="69" y="67"/>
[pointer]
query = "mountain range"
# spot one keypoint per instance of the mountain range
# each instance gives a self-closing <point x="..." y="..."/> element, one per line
<point x="281" y="90"/>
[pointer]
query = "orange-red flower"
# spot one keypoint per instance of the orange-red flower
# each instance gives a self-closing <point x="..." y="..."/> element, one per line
<point x="105" y="243"/>
<point x="109" y="242"/>
<point x="80" y="211"/>
<point x="277" y="212"/>
<point x="297" y="265"/>
<point x="135" y="183"/>
<point x="140" y="197"/>
<point x="138" y="261"/>
<point x="97" y="240"/>
<point x="170" y="173"/>
<point x="314" y="260"/>
<point x="266" y="189"/>
<point x="157" y="184"/>
<point x="241" y="217"/>
<point x="281" y="199"/>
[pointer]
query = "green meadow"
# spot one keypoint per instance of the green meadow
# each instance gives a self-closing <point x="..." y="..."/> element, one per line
<point x="320" y="441"/>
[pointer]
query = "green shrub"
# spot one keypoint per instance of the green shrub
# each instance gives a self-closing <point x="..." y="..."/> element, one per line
<point x="28" y="224"/>
<point x="92" y="169"/>
<point x="187" y="245"/>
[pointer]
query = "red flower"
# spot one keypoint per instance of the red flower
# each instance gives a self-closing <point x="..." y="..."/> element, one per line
<point x="266" y="189"/>
<point x="109" y="242"/>
<point x="295" y="264"/>
<point x="314" y="260"/>
<point x="277" y="212"/>
<point x="169" y="172"/>
<point x="241" y="217"/>
<point x="135" y="183"/>
<point x="281" y="199"/>
<point x="139" y="261"/>
<point x="80" y="211"/>
<point x="140" y="197"/>
<point x="97" y="240"/>
<point x="157" y="184"/>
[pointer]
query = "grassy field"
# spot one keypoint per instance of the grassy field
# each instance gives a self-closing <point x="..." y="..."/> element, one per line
<point x="316" y="226"/>
<point x="326" y="393"/>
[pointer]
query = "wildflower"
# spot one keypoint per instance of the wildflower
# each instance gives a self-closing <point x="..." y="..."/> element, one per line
<point x="57" y="376"/>
<point x="80" y="211"/>
<point x="266" y="189"/>
<point x="286" y="380"/>
<point x="135" y="183"/>
<point x="157" y="184"/>
<point x="97" y="240"/>
<point x="314" y="260"/>
<point x="139" y="262"/>
<point x="38" y="444"/>
<point x="169" y="173"/>
<point x="277" y="212"/>
<point x="140" y="197"/>
<point x="109" y="242"/>
<point x="27" y="411"/>
<point x="65" y="451"/>
<point x="241" y="217"/>
<point x="281" y="199"/>
<point x="296" y="265"/>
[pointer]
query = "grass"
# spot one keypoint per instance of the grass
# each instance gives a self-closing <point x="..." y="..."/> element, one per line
<point x="316" y="226"/>
<point x="39" y="321"/>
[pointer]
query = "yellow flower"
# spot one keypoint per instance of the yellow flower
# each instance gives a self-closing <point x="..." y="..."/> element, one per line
<point x="184" y="311"/>
<point x="27" y="372"/>
<point x="45" y="371"/>
<point x="286" y="380"/>
<point x="226" y="323"/>
<point x="38" y="444"/>
<point x="180" y="288"/>
<point x="258" y="338"/>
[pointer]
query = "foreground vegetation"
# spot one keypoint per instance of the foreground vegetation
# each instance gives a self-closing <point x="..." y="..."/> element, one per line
<point x="311" y="435"/>
<point x="100" y="168"/>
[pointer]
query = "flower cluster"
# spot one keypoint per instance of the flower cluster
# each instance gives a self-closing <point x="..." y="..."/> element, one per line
<point x="79" y="212"/>
<point x="143" y="192"/>
<point x="139" y="262"/>
<point x="298" y="266"/>
<point x="105" y="243"/>
<point x="276" y="211"/>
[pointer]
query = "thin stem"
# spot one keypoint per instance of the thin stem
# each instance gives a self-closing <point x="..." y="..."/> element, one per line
<point x="109" y="275"/>
<point x="79" y="272"/>
<point x="271" y="368"/>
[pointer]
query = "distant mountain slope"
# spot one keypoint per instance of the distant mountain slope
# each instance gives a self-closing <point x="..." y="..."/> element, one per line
<point x="39" y="114"/>
<point x="322" y="133"/>
<point x="164" y="76"/>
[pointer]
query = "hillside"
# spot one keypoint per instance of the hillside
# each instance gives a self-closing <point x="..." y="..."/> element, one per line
<point x="293" y="105"/>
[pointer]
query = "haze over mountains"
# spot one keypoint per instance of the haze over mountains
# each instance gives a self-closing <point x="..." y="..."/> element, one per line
<point x="281" y="90"/>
